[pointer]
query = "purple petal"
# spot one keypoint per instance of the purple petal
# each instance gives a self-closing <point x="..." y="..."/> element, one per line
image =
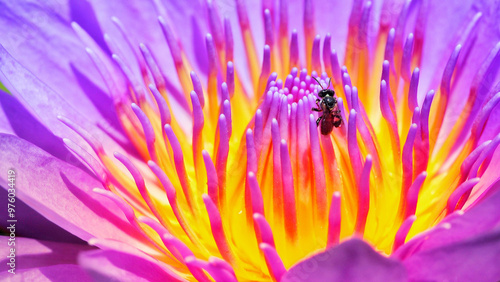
<point x="480" y="219"/>
<point x="23" y="124"/>
<point x="83" y="13"/>
<point x="492" y="126"/>
<point x="352" y="260"/>
<point x="188" y="19"/>
<point x="30" y="253"/>
<point x="447" y="23"/>
<point x="41" y="39"/>
<point x="34" y="225"/>
<point x="468" y="260"/>
<point x="489" y="183"/>
<point x="62" y="193"/>
<point x="46" y="105"/>
<point x="180" y="15"/>
<point x="330" y="17"/>
<point x="5" y="126"/>
<point x="62" y="272"/>
<point x="255" y="14"/>
<point x="116" y="265"/>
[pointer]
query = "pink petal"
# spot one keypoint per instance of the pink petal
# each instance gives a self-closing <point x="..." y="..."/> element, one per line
<point x="120" y="266"/>
<point x="492" y="126"/>
<point x="478" y="220"/>
<point x="352" y="260"/>
<point x="489" y="183"/>
<point x="61" y="272"/>
<point x="468" y="260"/>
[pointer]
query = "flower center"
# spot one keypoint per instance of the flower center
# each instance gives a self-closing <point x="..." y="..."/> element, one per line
<point x="250" y="178"/>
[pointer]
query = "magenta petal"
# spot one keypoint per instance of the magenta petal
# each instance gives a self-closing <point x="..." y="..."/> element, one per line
<point x="62" y="193"/>
<point x="61" y="272"/>
<point x="489" y="183"/>
<point x="480" y="219"/>
<point x="38" y="260"/>
<point x="470" y="260"/>
<point x="492" y="126"/>
<point x="111" y="265"/>
<point x="352" y="260"/>
<point x="32" y="253"/>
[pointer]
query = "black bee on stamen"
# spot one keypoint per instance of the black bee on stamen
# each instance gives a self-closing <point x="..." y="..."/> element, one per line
<point x="328" y="105"/>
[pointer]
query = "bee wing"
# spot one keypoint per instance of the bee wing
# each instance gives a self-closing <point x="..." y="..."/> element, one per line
<point x="337" y="118"/>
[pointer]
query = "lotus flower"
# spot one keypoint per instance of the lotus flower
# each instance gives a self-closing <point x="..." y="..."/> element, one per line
<point x="174" y="140"/>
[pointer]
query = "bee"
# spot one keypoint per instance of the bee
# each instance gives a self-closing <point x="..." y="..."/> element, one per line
<point x="328" y="105"/>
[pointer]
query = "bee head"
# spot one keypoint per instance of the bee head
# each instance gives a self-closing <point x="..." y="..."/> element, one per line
<point x="326" y="92"/>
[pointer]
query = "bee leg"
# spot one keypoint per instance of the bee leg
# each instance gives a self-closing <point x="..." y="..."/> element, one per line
<point x="318" y="107"/>
<point x="318" y="121"/>
<point x="337" y="120"/>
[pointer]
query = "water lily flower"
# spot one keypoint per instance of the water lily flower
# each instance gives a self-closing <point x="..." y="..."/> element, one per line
<point x="176" y="141"/>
